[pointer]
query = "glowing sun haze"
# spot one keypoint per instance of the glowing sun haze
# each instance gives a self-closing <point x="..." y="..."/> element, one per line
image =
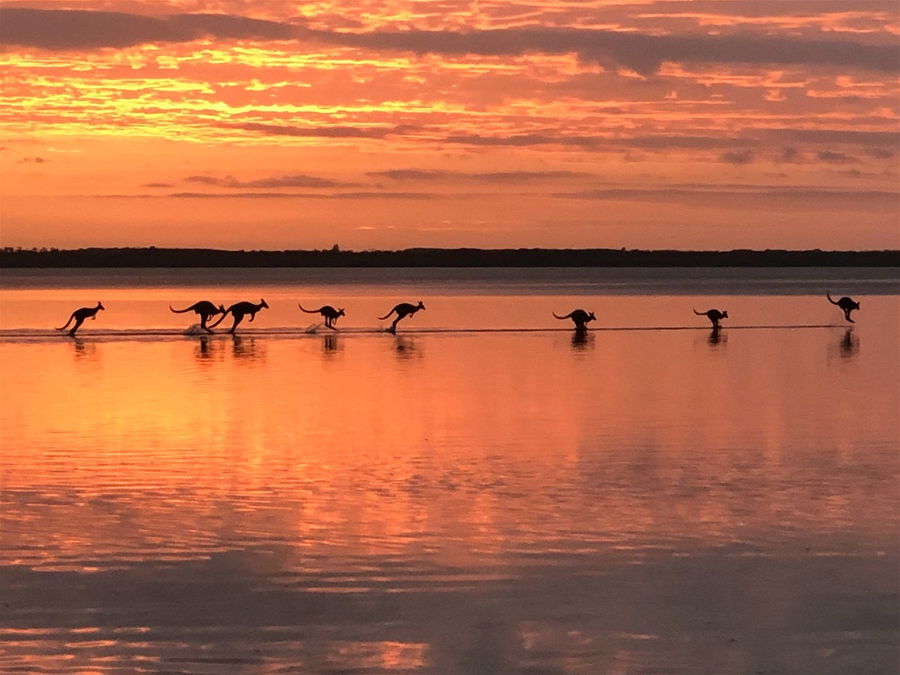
<point x="236" y="124"/>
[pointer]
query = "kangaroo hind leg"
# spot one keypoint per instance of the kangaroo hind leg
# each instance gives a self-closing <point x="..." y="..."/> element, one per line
<point x="78" y="322"/>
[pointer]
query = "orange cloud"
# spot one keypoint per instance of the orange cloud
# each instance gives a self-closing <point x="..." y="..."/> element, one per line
<point x="506" y="114"/>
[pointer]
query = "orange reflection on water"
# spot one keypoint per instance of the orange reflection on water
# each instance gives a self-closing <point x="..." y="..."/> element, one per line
<point x="232" y="488"/>
<point x="462" y="447"/>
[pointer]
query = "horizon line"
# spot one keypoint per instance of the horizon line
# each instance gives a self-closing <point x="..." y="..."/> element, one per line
<point x="414" y="249"/>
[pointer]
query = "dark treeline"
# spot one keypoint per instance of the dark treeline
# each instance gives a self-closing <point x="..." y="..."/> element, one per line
<point x="439" y="257"/>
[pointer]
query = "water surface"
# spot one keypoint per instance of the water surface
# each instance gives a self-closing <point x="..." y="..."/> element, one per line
<point x="631" y="500"/>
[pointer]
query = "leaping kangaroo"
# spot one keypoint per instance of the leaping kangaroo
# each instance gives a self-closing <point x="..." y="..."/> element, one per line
<point x="845" y="303"/>
<point x="79" y="315"/>
<point x="239" y="310"/>
<point x="204" y="309"/>
<point x="330" y="313"/>
<point x="403" y="310"/>
<point x="713" y="315"/>
<point x="579" y="317"/>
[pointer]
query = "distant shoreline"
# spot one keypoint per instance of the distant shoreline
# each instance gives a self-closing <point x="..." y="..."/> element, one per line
<point x="152" y="257"/>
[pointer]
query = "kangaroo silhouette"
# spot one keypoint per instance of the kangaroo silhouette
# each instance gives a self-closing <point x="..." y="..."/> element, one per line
<point x="330" y="313"/>
<point x="79" y="315"/>
<point x="239" y="311"/>
<point x="402" y="310"/>
<point x="713" y="315"/>
<point x="845" y="303"/>
<point x="204" y="309"/>
<point x="579" y="317"/>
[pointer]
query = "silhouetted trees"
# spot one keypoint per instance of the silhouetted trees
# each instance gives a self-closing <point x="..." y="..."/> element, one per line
<point x="439" y="257"/>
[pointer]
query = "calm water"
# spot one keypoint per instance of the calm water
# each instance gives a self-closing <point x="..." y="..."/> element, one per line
<point x="444" y="501"/>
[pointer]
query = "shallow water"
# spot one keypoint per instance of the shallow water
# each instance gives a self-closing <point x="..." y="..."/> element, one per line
<point x="451" y="502"/>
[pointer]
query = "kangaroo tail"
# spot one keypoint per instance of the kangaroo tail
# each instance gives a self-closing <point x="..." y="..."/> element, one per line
<point x="67" y="322"/>
<point x="308" y="311"/>
<point x="382" y="318"/>
<point x="180" y="311"/>
<point x="699" y="313"/>
<point x="567" y="316"/>
<point x="830" y="299"/>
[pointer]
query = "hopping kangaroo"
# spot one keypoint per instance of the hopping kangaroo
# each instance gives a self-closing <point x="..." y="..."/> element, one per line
<point x="204" y="309"/>
<point x="579" y="317"/>
<point x="845" y="303"/>
<point x="79" y="315"/>
<point x="713" y="315"/>
<point x="403" y="310"/>
<point x="239" y="311"/>
<point x="330" y="313"/>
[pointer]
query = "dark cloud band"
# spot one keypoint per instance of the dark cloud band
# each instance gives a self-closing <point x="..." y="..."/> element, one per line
<point x="642" y="53"/>
<point x="289" y="181"/>
<point x="77" y="29"/>
<point x="480" y="177"/>
<point x="729" y="197"/>
<point x="316" y="132"/>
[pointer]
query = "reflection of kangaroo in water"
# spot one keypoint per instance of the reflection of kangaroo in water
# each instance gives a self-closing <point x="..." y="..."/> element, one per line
<point x="204" y="309"/>
<point x="405" y="347"/>
<point x="845" y="303"/>
<point x="403" y="310"/>
<point x="713" y="315"/>
<point x="582" y="338"/>
<point x="849" y="344"/>
<point x="79" y="315"/>
<point x="330" y="313"/>
<point x="239" y="311"/>
<point x="330" y="344"/>
<point x="579" y="316"/>
<point x="715" y="337"/>
<point x="203" y="350"/>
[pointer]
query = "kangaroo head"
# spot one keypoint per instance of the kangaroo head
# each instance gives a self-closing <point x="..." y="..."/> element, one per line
<point x="341" y="312"/>
<point x="420" y="305"/>
<point x="591" y="317"/>
<point x="263" y="304"/>
<point x="724" y="314"/>
<point x="221" y="309"/>
<point x="100" y="305"/>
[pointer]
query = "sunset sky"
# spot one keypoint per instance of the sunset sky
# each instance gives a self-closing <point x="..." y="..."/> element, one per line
<point x="497" y="123"/>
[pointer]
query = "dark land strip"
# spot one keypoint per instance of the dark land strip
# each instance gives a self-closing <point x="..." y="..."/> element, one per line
<point x="438" y="257"/>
